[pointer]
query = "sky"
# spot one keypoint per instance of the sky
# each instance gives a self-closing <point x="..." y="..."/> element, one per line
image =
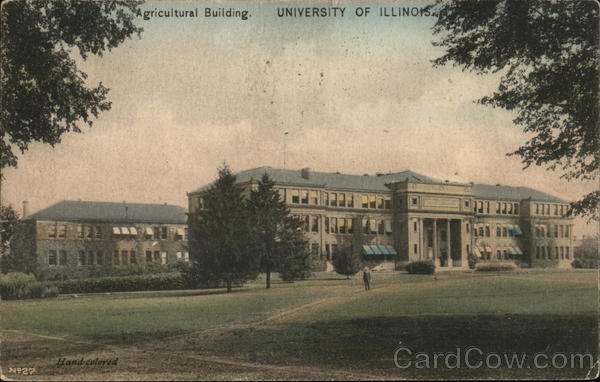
<point x="356" y="94"/>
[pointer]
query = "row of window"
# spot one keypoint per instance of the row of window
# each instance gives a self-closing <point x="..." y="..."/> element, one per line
<point x="120" y="257"/>
<point x="546" y="253"/>
<point x="502" y="254"/>
<point x="559" y="230"/>
<point x="501" y="230"/>
<point x="338" y="199"/>
<point x="551" y="209"/>
<point x="123" y="232"/>
<point x="342" y="225"/>
<point x="502" y="208"/>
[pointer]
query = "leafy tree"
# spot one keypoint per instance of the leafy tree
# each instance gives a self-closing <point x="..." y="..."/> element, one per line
<point x="346" y="263"/>
<point x="280" y="244"/>
<point x="9" y="219"/>
<point x="221" y="239"/>
<point x="44" y="95"/>
<point x="547" y="52"/>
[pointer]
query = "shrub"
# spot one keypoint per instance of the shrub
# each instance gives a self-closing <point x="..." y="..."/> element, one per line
<point x="496" y="266"/>
<point x="421" y="267"/>
<point x="346" y="263"/>
<point x="158" y="281"/>
<point x="584" y="263"/>
<point x="16" y="286"/>
<point x="472" y="260"/>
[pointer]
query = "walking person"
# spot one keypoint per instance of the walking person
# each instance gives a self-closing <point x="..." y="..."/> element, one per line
<point x="367" y="278"/>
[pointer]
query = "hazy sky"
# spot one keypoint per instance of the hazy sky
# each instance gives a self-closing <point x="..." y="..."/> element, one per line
<point x="356" y="94"/>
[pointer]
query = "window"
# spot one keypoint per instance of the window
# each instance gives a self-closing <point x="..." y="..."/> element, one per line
<point x="281" y="192"/>
<point x="468" y="249"/>
<point x="510" y="232"/>
<point x="415" y="201"/>
<point x="516" y="208"/>
<point x="62" y="231"/>
<point x="415" y="229"/>
<point x="487" y="230"/>
<point x="537" y="252"/>
<point x="498" y="254"/>
<point x="467" y="226"/>
<point x="327" y="225"/>
<point x="567" y="250"/>
<point x="295" y="196"/>
<point x="179" y="256"/>
<point x="52" y="231"/>
<point x="498" y="209"/>
<point x="480" y="207"/>
<point x="333" y="225"/>
<point x="179" y="233"/>
<point x="306" y="225"/>
<point x="124" y="257"/>
<point x="185" y="233"/>
<point x="504" y="208"/>
<point x="504" y="253"/>
<point x="314" y="225"/>
<point x="100" y="257"/>
<point x="332" y="199"/>
<point x="163" y="233"/>
<point x="381" y="227"/>
<point x="156" y="231"/>
<point x="350" y="224"/>
<point x="387" y="203"/>
<point x="304" y="196"/>
<point x="342" y="225"/>
<point x="148" y="257"/>
<point x="80" y="232"/>
<point x="556" y="252"/>
<point x="380" y="203"/>
<point x="416" y="249"/>
<point x="163" y="257"/>
<point x="186" y="256"/>
<point x="504" y="232"/>
<point x="373" y="226"/>
<point x="156" y="259"/>
<point x="388" y="226"/>
<point x="562" y="210"/>
<point x="132" y="257"/>
<point x="342" y="200"/>
<point x="498" y="231"/>
<point x="466" y="203"/>
<point x="81" y="260"/>
<point x="555" y="230"/>
<point x="314" y="198"/>
<point x="116" y="257"/>
<point x="487" y="207"/>
<point x="548" y="233"/>
<point x="475" y="233"/>
<point x="510" y="208"/>
<point x="350" y="200"/>
<point x="556" y="209"/>
<point x="372" y="201"/>
<point x="62" y="257"/>
<point x="562" y="231"/>
<point x="567" y="232"/>
<point x="365" y="226"/>
<point x="89" y="232"/>
<point x="98" y="231"/>
<point x="481" y="231"/>
<point x="52" y="259"/>
<point x="365" y="201"/>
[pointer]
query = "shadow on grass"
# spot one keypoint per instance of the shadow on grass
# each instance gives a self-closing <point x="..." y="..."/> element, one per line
<point x="368" y="345"/>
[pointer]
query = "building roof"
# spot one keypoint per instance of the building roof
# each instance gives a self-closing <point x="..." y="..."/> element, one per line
<point x="377" y="183"/>
<point x="69" y="210"/>
<point x="498" y="192"/>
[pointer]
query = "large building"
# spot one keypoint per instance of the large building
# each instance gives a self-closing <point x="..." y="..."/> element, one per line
<point x="85" y="234"/>
<point x="408" y="216"/>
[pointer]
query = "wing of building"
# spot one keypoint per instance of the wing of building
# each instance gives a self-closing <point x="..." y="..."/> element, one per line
<point x="83" y="235"/>
<point x="407" y="216"/>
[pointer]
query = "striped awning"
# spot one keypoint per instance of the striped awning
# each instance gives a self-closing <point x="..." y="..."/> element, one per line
<point x="517" y="231"/>
<point x="379" y="250"/>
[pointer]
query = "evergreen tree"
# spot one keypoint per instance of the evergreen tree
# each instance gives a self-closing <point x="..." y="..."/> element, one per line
<point x="221" y="238"/>
<point x="280" y="244"/>
<point x="346" y="262"/>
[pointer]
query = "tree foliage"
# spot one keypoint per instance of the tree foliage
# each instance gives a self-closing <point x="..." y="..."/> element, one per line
<point x="278" y="245"/>
<point x="547" y="53"/>
<point x="346" y="263"/>
<point x="44" y="94"/>
<point x="222" y="237"/>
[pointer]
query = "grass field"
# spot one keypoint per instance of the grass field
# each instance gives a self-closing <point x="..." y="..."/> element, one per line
<point x="322" y="328"/>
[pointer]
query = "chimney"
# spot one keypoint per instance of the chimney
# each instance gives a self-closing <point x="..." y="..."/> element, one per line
<point x="25" y="209"/>
<point x="305" y="173"/>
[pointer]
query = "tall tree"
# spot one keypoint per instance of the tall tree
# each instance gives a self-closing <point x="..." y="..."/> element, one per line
<point x="8" y="221"/>
<point x="44" y="94"/>
<point x="221" y="239"/>
<point x="279" y="245"/>
<point x="547" y="52"/>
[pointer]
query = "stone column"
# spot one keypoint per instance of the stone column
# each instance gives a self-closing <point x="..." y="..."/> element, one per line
<point x="436" y="260"/>
<point x="448" y="244"/>
<point x="421" y="249"/>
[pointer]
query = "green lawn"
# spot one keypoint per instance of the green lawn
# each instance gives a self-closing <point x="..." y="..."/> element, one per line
<point x="348" y="329"/>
